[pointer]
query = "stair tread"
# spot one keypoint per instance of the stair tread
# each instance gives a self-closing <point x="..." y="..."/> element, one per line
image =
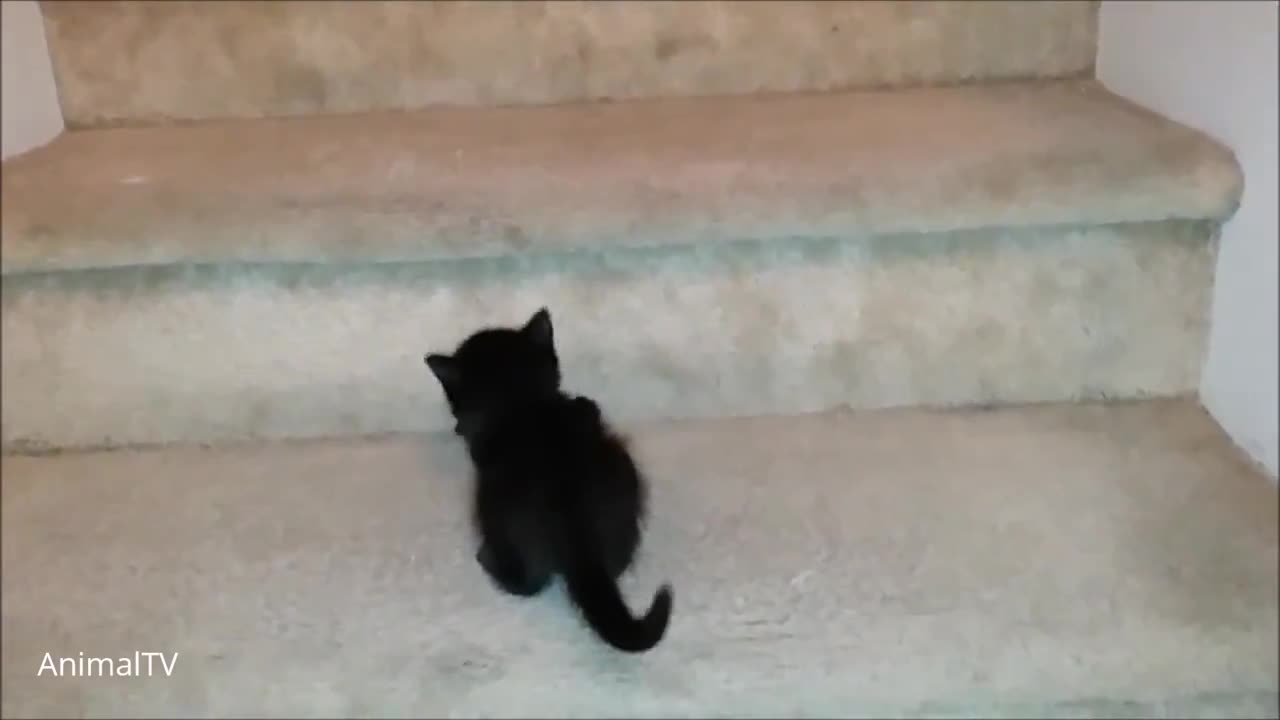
<point x="836" y="564"/>
<point x="465" y="182"/>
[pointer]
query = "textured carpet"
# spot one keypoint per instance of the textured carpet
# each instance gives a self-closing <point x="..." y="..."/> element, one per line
<point x="1087" y="561"/>
<point x="703" y="258"/>
<point x="463" y="182"/>
<point x="133" y="62"/>
<point x="233" y="352"/>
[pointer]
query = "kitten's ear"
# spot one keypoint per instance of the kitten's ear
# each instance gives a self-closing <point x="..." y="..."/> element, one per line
<point x="539" y="328"/>
<point x="444" y="367"/>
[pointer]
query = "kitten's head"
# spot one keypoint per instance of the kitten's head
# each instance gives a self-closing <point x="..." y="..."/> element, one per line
<point x="496" y="368"/>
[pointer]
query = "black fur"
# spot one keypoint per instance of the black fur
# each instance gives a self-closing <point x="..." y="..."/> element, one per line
<point x="556" y="490"/>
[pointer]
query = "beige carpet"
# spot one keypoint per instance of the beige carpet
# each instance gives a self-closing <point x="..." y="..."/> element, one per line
<point x="133" y="62"/>
<point x="460" y="182"/>
<point x="703" y="258"/>
<point x="1087" y="561"/>
<point x="228" y="353"/>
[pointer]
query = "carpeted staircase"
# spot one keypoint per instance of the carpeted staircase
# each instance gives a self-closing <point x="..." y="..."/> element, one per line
<point x="903" y="311"/>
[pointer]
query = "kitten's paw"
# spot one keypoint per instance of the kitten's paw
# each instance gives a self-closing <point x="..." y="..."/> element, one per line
<point x="526" y="587"/>
<point x="508" y="577"/>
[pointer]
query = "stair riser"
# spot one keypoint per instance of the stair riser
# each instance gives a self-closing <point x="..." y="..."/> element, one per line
<point x="134" y="62"/>
<point x="209" y="354"/>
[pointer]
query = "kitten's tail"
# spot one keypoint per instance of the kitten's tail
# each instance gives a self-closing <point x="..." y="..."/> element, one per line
<point x="596" y="594"/>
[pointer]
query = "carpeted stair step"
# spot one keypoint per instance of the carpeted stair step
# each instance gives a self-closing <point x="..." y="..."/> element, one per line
<point x="701" y="257"/>
<point x="156" y="62"/>
<point x="1104" y="561"/>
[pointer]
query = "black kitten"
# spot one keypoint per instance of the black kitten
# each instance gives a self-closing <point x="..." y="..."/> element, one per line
<point x="556" y="490"/>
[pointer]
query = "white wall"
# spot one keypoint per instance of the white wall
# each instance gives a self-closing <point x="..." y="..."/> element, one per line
<point x="29" y="100"/>
<point x="1212" y="65"/>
